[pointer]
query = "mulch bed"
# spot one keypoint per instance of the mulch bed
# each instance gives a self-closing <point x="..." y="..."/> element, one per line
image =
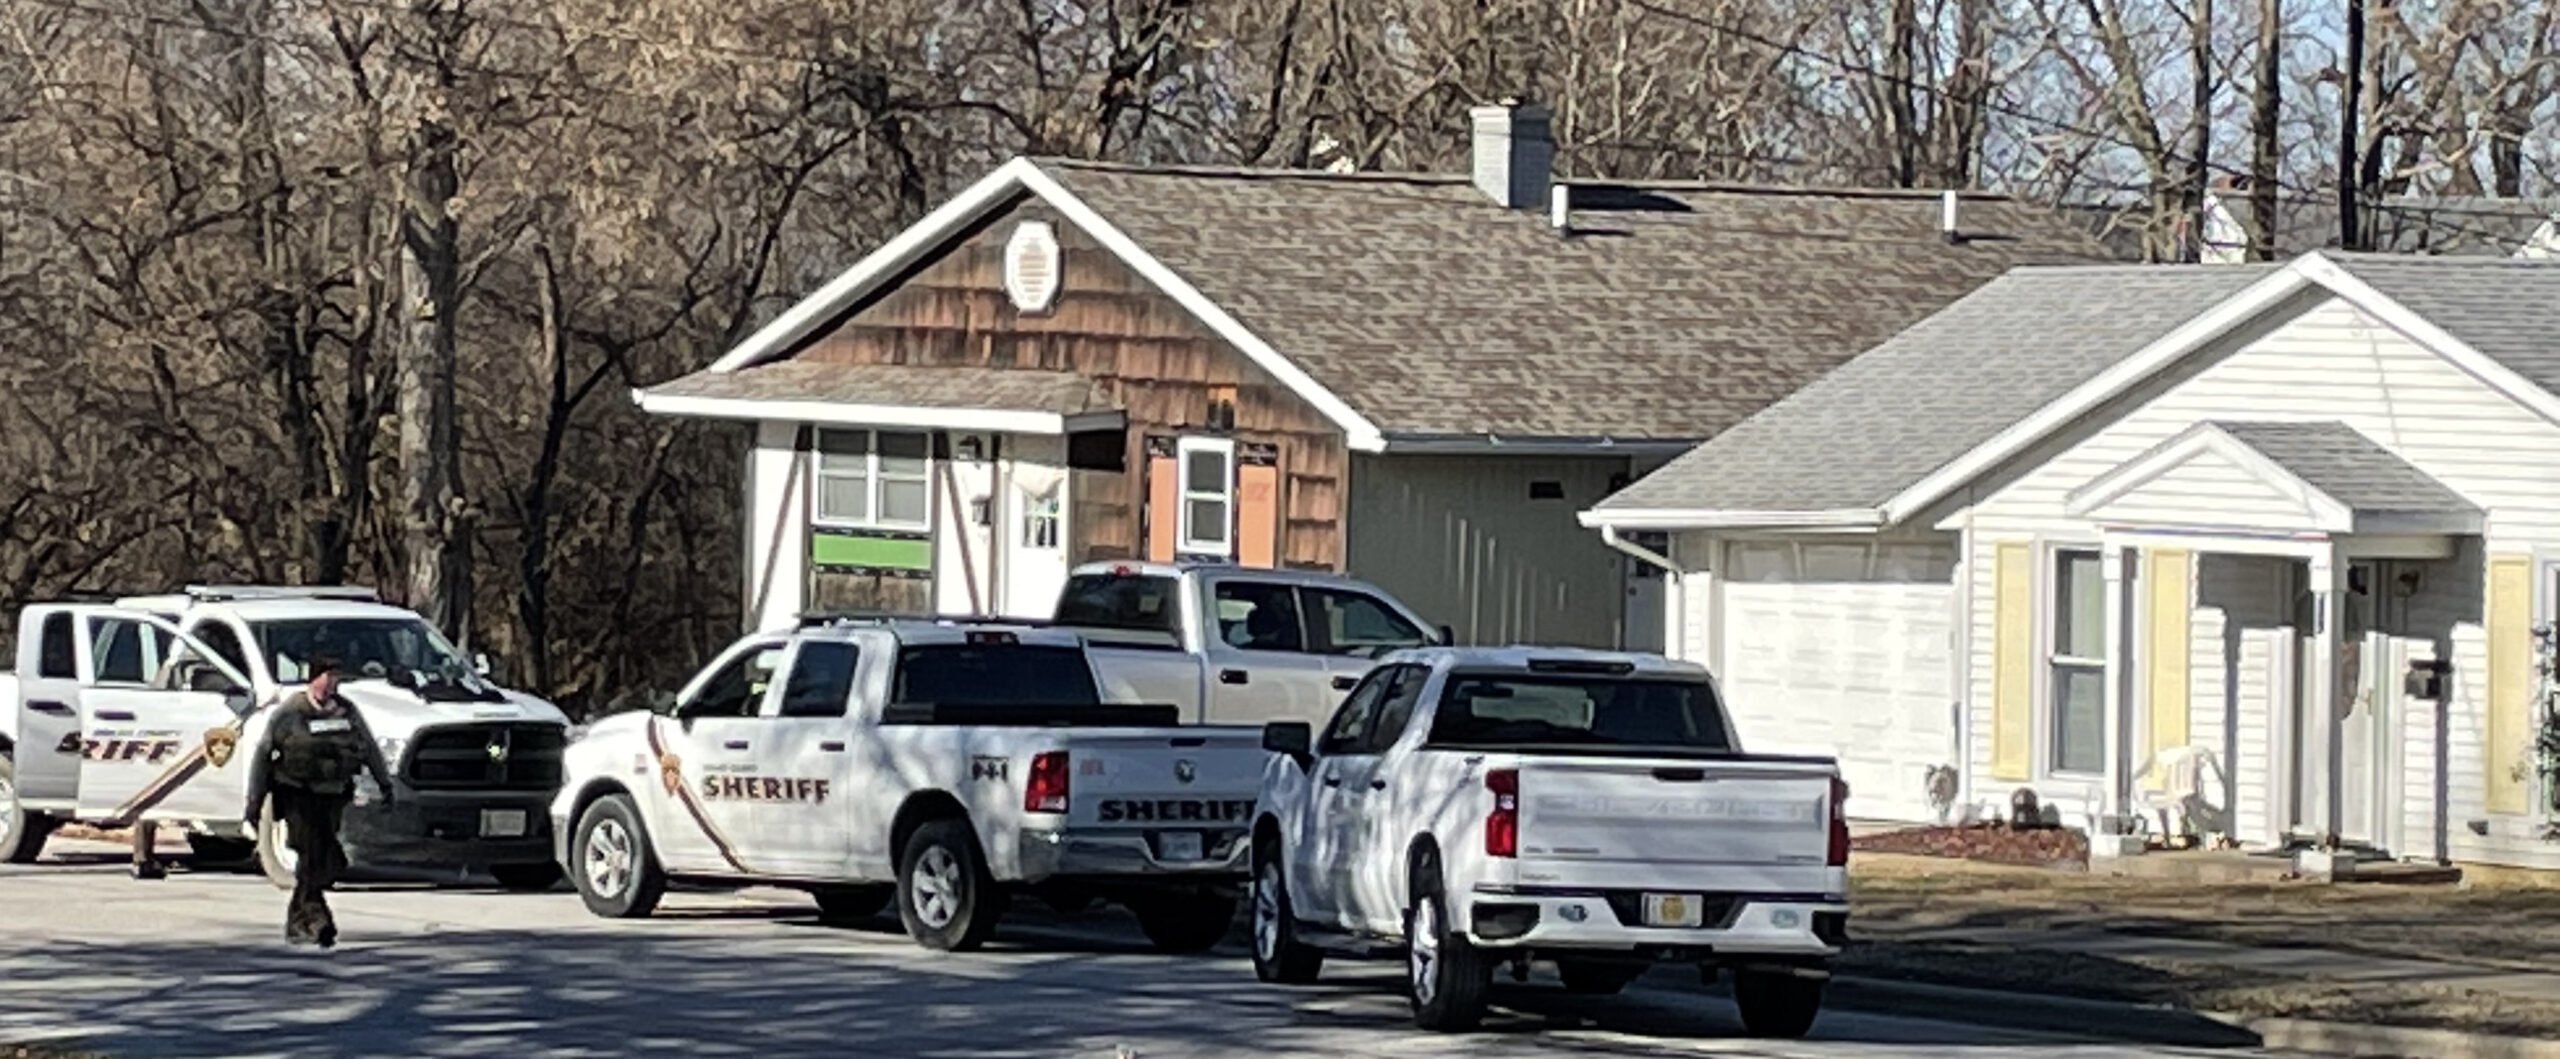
<point x="2042" y="847"/>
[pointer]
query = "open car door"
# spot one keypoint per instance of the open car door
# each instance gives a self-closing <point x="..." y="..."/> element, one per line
<point x="160" y="723"/>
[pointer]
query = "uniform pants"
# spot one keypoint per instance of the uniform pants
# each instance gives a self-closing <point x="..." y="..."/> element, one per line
<point x="311" y="829"/>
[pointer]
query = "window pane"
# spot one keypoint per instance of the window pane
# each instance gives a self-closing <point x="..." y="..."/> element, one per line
<point x="1258" y="617"/>
<point x="1501" y="709"/>
<point x="1356" y="624"/>
<point x="2079" y="718"/>
<point x="2080" y="607"/>
<point x="844" y="499"/>
<point x="996" y="674"/>
<point x="1205" y="472"/>
<point x="907" y="502"/>
<point x="844" y="450"/>
<point x="1349" y="731"/>
<point x="821" y="680"/>
<point x="902" y="454"/>
<point x="1396" y="711"/>
<point x="1208" y="521"/>
<point x="57" y="660"/>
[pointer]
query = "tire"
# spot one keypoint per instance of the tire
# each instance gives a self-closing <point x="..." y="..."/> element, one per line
<point x="1597" y="977"/>
<point x="1278" y="956"/>
<point x="853" y="904"/>
<point x="1777" y="1005"/>
<point x="946" y="899"/>
<point x="540" y="877"/>
<point x="215" y="849"/>
<point x="1185" y="923"/>
<point x="22" y="833"/>
<point x="616" y="872"/>
<point x="1445" y="975"/>
<point x="276" y="858"/>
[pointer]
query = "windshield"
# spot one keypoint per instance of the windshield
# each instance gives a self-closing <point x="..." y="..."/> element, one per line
<point x="1121" y="601"/>
<point x="366" y="648"/>
<point x="1480" y="710"/>
<point x="995" y="675"/>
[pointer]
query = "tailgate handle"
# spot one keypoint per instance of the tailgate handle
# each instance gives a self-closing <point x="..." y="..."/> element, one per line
<point x="1333" y="779"/>
<point x="1345" y="683"/>
<point x="832" y="746"/>
<point x="1188" y="740"/>
<point x="115" y="715"/>
<point x="734" y="744"/>
<point x="1234" y="676"/>
<point x="55" y="708"/>
<point x="1680" y="775"/>
<point x="1377" y="785"/>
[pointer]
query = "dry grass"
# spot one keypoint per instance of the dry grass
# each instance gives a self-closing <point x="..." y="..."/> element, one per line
<point x="1926" y="919"/>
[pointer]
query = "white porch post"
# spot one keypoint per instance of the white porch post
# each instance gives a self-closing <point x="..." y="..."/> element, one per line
<point x="2319" y="731"/>
<point x="2119" y="643"/>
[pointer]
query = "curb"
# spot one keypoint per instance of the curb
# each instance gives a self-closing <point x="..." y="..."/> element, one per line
<point x="2164" y="1024"/>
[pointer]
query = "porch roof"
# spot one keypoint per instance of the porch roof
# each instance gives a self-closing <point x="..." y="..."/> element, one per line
<point x="2317" y="476"/>
<point x="1009" y="400"/>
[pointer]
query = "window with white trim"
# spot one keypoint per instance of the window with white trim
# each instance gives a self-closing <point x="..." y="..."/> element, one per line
<point x="2077" y="678"/>
<point x="874" y="478"/>
<point x="1208" y="478"/>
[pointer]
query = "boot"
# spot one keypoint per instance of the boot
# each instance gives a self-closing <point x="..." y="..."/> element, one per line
<point x="148" y="869"/>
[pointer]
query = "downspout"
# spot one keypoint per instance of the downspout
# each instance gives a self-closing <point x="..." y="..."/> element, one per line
<point x="1678" y="634"/>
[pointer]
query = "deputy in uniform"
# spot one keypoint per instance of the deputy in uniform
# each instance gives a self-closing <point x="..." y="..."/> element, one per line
<point x="314" y="750"/>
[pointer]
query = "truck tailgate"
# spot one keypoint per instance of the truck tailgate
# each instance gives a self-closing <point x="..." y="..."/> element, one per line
<point x="1698" y="826"/>
<point x="1199" y="781"/>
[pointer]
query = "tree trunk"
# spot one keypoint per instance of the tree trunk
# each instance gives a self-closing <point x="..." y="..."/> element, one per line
<point x="435" y="525"/>
<point x="2351" y="98"/>
<point x="2200" y="168"/>
<point x="2266" y="121"/>
<point x="1901" y="110"/>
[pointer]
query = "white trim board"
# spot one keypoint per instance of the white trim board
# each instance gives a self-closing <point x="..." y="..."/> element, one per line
<point x="990" y="193"/>
<point x="1845" y="519"/>
<point x="2301" y="274"/>
<point x="836" y="414"/>
<point x="2325" y="514"/>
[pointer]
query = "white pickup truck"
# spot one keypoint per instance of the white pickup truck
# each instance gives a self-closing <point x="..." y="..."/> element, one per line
<point x="1473" y="807"/>
<point x="1234" y="644"/>
<point x="149" y="707"/>
<point x="940" y="764"/>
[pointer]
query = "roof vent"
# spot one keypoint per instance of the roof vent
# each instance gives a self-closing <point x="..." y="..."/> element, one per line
<point x="1514" y="154"/>
<point x="1031" y="267"/>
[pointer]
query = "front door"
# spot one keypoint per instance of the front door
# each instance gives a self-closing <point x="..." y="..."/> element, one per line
<point x="1033" y="526"/>
<point x="158" y="741"/>
<point x="2367" y="659"/>
<point x="49" y="715"/>
<point x="703" y="755"/>
<point x="1337" y="781"/>
<point x="802" y="807"/>
<point x="1260" y="665"/>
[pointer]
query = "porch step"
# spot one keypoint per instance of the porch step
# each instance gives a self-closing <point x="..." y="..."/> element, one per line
<point x="2242" y="866"/>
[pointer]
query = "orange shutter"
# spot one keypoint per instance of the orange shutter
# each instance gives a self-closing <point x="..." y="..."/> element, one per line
<point x="1258" y="505"/>
<point x="1164" y="500"/>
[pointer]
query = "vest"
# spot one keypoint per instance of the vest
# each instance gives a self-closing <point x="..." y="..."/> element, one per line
<point x="316" y="753"/>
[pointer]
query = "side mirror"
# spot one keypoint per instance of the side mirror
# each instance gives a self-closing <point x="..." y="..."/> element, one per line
<point x="480" y="664"/>
<point x="1448" y="636"/>
<point x="1296" y="739"/>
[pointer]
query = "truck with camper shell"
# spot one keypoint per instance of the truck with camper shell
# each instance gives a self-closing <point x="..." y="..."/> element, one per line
<point x="940" y="765"/>
<point x="1474" y="807"/>
<point x="133" y="708"/>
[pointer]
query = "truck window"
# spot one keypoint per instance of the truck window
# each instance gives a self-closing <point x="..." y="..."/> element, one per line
<point x="1356" y="623"/>
<point x="366" y="647"/>
<point x="1122" y="601"/>
<point x="1349" y="732"/>
<point x="995" y="675"/>
<point x="56" y="659"/>
<point x="1395" y="709"/>
<point x="1485" y="710"/>
<point x="218" y="637"/>
<point x="1258" y="616"/>
<point x="737" y="688"/>
<point x="821" y="680"/>
<point x="126" y="651"/>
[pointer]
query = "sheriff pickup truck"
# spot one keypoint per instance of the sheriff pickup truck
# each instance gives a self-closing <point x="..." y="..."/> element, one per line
<point x="939" y="764"/>
<point x="148" y="708"/>
<point x="1474" y="807"/>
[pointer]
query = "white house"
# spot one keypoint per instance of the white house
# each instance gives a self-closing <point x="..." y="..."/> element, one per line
<point x="2304" y="517"/>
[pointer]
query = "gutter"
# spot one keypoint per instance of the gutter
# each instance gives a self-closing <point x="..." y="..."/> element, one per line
<point x="1534" y="445"/>
<point x="1867" y="518"/>
<point x="1678" y="634"/>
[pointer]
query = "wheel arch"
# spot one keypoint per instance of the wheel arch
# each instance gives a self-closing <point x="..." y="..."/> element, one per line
<point x="1423" y="852"/>
<point x="921" y="808"/>
<point x="596" y="790"/>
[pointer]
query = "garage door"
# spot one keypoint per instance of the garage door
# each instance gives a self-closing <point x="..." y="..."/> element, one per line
<point x="1845" y="650"/>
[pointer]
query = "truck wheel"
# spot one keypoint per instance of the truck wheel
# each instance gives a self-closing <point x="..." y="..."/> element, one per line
<point x="276" y="857"/>
<point x="1446" y="975"/>
<point x="215" y="849"/>
<point x="535" y="878"/>
<point x="616" y="873"/>
<point x="1185" y="923"/>
<point x="1278" y="956"/>
<point x="852" y="904"/>
<point x="1777" y="1005"/>
<point x="1597" y="977"/>
<point x="946" y="899"/>
<point x="22" y="833"/>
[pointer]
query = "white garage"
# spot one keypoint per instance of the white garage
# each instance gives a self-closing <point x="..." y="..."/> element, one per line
<point x="1837" y="647"/>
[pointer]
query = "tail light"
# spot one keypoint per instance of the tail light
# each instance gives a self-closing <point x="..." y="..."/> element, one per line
<point x="1045" y="791"/>
<point x="1839" y="823"/>
<point x="1502" y="825"/>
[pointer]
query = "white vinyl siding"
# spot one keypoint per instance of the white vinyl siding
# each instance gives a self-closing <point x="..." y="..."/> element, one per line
<point x="2332" y="362"/>
<point x="873" y="479"/>
<point x="1462" y="540"/>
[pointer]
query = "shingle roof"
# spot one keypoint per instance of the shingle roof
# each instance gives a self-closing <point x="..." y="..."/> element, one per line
<point x="906" y="385"/>
<point x="1864" y="432"/>
<point x="2508" y="309"/>
<point x="1674" y="313"/>
<point x="2351" y="468"/>
<point x="2467" y="225"/>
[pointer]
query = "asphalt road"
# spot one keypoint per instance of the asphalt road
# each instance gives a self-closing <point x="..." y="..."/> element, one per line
<point x="195" y="965"/>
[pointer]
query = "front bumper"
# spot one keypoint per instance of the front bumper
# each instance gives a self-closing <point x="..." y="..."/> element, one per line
<point x="1788" y="926"/>
<point x="1226" y="856"/>
<point x="443" y="829"/>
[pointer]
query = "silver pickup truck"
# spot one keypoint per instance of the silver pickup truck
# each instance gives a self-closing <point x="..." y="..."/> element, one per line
<point x="1235" y="644"/>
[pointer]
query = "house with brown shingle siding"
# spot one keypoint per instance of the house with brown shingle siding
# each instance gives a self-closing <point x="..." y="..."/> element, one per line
<point x="1417" y="379"/>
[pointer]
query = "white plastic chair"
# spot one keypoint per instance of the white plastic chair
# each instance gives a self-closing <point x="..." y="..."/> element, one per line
<point x="2174" y="781"/>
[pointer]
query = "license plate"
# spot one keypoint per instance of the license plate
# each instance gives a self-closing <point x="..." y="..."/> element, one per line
<point x="502" y="823"/>
<point x="1674" y="910"/>
<point x="1178" y="846"/>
